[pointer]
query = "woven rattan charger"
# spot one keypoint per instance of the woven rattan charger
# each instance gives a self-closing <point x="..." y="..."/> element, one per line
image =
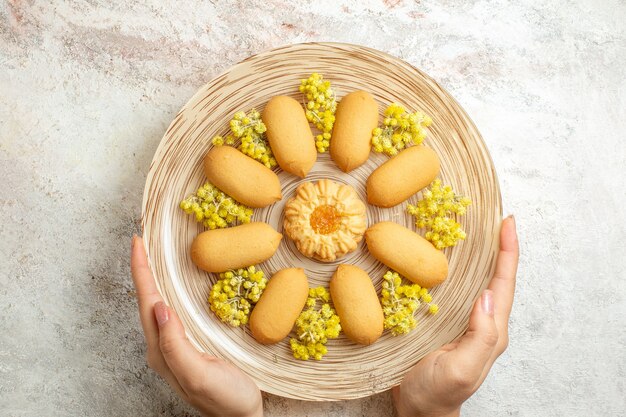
<point x="348" y="370"/>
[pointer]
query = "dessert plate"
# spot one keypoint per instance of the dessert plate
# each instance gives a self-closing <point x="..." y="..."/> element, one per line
<point x="348" y="370"/>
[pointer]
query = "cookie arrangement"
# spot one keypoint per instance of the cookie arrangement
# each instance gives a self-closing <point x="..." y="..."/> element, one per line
<point x="348" y="370"/>
<point x="325" y="219"/>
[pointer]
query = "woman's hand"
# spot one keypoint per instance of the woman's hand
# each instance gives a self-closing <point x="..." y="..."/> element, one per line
<point x="214" y="387"/>
<point x="444" y="379"/>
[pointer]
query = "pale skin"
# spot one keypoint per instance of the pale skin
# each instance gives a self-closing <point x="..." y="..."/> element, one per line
<point x="215" y="387"/>
<point x="436" y="386"/>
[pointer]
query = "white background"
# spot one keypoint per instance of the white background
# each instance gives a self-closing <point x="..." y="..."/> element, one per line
<point x="87" y="89"/>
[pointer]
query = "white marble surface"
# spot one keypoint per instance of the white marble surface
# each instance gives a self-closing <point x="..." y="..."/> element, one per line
<point x="87" y="88"/>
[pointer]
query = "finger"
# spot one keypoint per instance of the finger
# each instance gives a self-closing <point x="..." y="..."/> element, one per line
<point x="140" y="270"/>
<point x="503" y="282"/>
<point x="450" y="346"/>
<point x="147" y="293"/>
<point x="179" y="354"/>
<point x="503" y="286"/>
<point x="473" y="352"/>
<point x="147" y="296"/>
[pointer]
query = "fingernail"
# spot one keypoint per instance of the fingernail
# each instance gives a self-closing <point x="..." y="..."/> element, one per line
<point x="161" y="313"/>
<point x="487" y="302"/>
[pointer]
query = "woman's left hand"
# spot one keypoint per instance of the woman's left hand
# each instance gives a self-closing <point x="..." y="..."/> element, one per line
<point x="214" y="387"/>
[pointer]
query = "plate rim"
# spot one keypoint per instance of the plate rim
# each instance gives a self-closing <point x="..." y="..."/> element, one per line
<point x="159" y="153"/>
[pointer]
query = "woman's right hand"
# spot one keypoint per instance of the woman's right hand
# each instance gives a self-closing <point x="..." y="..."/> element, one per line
<point x="438" y="385"/>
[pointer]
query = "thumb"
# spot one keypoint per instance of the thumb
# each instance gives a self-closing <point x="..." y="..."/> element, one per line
<point x="181" y="357"/>
<point x="475" y="348"/>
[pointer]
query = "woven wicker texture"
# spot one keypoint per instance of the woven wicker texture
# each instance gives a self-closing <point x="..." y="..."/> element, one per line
<point x="349" y="370"/>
